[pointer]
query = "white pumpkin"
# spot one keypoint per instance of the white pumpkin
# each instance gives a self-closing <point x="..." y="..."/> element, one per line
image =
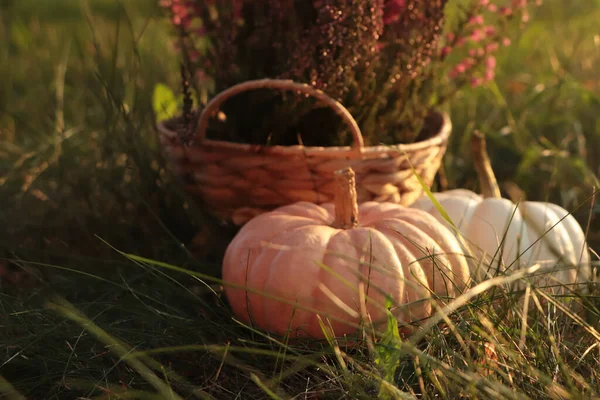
<point x="506" y="236"/>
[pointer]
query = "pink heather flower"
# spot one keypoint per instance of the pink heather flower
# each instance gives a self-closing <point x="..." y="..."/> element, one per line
<point x="180" y="12"/>
<point x="475" y="82"/>
<point x="237" y="8"/>
<point x="445" y="51"/>
<point x="488" y="75"/>
<point x="179" y="9"/>
<point x="179" y="21"/>
<point x="393" y="10"/>
<point x="462" y="67"/>
<point x="490" y="62"/>
<point x="477" y="35"/>
<point x="491" y="47"/>
<point x="469" y="62"/>
<point x="489" y="30"/>
<point x="476" y="52"/>
<point x="476" y="20"/>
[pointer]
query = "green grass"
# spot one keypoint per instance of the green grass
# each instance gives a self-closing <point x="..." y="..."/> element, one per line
<point x="83" y="186"/>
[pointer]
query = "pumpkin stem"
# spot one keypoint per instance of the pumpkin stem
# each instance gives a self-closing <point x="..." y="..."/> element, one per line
<point x="483" y="166"/>
<point x="345" y="201"/>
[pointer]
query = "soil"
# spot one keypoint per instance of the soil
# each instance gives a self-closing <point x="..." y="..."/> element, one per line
<point x="315" y="127"/>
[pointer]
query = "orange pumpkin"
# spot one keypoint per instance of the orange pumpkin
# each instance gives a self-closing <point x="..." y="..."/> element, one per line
<point x="289" y="265"/>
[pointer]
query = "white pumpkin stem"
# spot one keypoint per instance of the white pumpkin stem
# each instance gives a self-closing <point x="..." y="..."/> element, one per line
<point x="345" y="201"/>
<point x="483" y="167"/>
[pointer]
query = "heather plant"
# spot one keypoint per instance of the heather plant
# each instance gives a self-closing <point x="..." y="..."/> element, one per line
<point x="390" y="62"/>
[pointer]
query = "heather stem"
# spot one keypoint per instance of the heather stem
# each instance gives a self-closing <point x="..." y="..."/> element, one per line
<point x="345" y="201"/>
<point x="483" y="167"/>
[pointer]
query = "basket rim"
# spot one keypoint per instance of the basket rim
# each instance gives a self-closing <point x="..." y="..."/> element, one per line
<point x="440" y="138"/>
<point x="283" y="85"/>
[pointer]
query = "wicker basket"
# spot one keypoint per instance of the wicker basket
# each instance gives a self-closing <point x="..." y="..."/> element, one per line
<point x="239" y="181"/>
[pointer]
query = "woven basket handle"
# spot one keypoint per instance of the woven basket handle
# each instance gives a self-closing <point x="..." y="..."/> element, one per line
<point x="213" y="106"/>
